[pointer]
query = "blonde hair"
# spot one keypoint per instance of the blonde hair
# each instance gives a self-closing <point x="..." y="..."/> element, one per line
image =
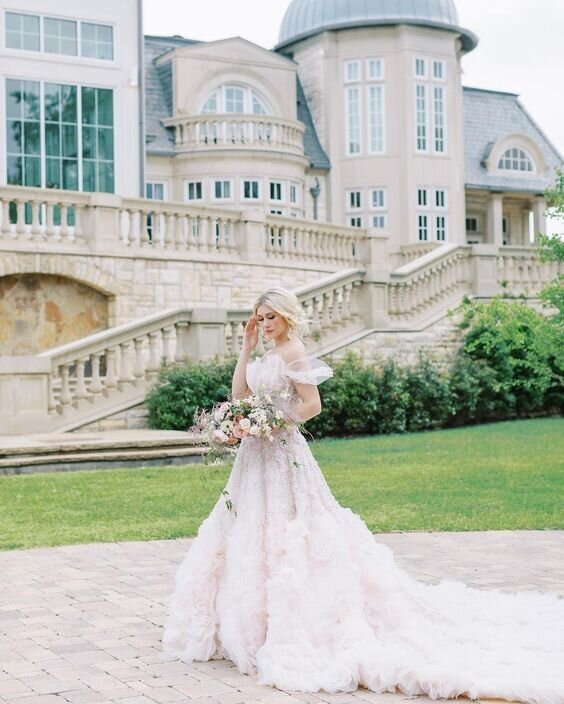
<point x="286" y="304"/>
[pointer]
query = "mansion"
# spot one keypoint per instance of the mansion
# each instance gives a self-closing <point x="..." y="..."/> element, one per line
<point x="151" y="186"/>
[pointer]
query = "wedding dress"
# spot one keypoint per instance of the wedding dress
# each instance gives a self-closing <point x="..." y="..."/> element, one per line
<point x="293" y="588"/>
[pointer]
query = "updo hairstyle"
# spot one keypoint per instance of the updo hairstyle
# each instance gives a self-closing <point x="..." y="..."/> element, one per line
<point x="286" y="304"/>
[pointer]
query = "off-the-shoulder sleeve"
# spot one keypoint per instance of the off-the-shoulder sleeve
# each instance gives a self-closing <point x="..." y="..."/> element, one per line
<point x="308" y="370"/>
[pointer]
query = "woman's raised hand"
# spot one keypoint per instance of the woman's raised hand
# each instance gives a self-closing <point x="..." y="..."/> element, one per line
<point x="251" y="334"/>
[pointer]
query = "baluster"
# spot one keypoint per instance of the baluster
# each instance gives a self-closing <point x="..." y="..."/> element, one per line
<point x="182" y="225"/>
<point x="346" y="305"/>
<point x="80" y="391"/>
<point x="169" y="230"/>
<point x="285" y="242"/>
<point x="144" y="236"/>
<point x="138" y="365"/>
<point x="50" y="221"/>
<point x="181" y="353"/>
<point x="338" y="303"/>
<point x="64" y="232"/>
<point x="167" y="356"/>
<point x="111" y="370"/>
<point x="5" y="218"/>
<point x="125" y="375"/>
<point x="20" y="217"/>
<point x="51" y="400"/>
<point x="153" y="365"/>
<point x="65" y="399"/>
<point x="35" y="225"/>
<point x="78" y="231"/>
<point x="96" y="387"/>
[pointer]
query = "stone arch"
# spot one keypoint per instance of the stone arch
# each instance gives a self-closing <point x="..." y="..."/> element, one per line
<point x="50" y="299"/>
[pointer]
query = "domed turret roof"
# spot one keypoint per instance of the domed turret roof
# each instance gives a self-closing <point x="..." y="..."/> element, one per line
<point x="305" y="18"/>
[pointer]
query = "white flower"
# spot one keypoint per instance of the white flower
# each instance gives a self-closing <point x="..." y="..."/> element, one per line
<point x="280" y="415"/>
<point x="220" y="435"/>
<point x="227" y="426"/>
<point x="254" y="430"/>
<point x="245" y="424"/>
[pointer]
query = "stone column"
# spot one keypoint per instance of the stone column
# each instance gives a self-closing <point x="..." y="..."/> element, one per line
<point x="205" y="336"/>
<point x="101" y="222"/>
<point x="495" y="219"/>
<point x="485" y="275"/>
<point x="377" y="260"/>
<point x="539" y="211"/>
<point x="251" y="235"/>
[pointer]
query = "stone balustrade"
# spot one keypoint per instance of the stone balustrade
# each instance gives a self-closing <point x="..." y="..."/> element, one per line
<point x="290" y="239"/>
<point x="212" y="132"/>
<point x="63" y="221"/>
<point x="520" y="271"/>
<point x="418" y="287"/>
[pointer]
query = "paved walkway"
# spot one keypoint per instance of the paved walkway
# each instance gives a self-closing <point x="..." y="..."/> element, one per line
<point x="82" y="624"/>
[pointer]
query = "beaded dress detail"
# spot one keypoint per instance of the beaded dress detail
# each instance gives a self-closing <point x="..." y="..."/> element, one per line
<point x="293" y="588"/>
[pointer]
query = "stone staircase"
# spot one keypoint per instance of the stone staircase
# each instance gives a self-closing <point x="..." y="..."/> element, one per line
<point x="31" y="454"/>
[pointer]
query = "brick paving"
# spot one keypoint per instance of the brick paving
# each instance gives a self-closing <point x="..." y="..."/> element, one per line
<point x="82" y="624"/>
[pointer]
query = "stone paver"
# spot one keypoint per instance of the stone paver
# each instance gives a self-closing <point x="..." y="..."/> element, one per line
<point x="82" y="624"/>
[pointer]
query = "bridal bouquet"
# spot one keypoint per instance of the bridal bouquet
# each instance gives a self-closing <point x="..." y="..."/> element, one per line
<point x="223" y="428"/>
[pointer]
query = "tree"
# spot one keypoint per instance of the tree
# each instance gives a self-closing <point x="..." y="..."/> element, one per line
<point x="551" y="249"/>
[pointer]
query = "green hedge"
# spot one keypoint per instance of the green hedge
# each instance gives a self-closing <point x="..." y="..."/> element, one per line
<point x="511" y="364"/>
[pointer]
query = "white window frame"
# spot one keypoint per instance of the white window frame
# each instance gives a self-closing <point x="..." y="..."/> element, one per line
<point x="275" y="182"/>
<point x="442" y="64"/>
<point x="187" y="185"/>
<point x="436" y="217"/>
<point x="424" y="149"/>
<point x="434" y="121"/>
<point x="38" y="16"/>
<point x="522" y="172"/>
<point x="349" y="116"/>
<point x="223" y="182"/>
<point x="433" y="211"/>
<point x="479" y="223"/>
<point x="423" y="226"/>
<point x="294" y="190"/>
<point x="373" y="123"/>
<point x="384" y="192"/>
<point x="249" y="96"/>
<point x="354" y="221"/>
<point x="254" y="199"/>
<point x="424" y="61"/>
<point x="379" y="221"/>
<point x="354" y="194"/>
<point x="375" y="60"/>
<point x="277" y="211"/>
<point x="444" y="198"/>
<point x="347" y="65"/>
<point x="163" y="184"/>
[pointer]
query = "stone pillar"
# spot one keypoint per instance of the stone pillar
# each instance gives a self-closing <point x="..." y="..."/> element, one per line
<point x="251" y="235"/>
<point x="24" y="395"/>
<point x="375" y="254"/>
<point x="539" y="211"/>
<point x="205" y="336"/>
<point x="485" y="278"/>
<point x="495" y="219"/>
<point x="101" y="221"/>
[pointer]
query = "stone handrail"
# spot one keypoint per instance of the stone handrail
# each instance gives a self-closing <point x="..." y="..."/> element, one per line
<point x="304" y="240"/>
<point x="204" y="132"/>
<point x="419" y="286"/>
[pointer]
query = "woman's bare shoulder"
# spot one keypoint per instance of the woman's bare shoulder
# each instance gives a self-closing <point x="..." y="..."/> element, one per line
<point x="293" y="350"/>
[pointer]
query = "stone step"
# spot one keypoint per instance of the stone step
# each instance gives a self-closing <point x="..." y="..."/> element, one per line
<point x="69" y="451"/>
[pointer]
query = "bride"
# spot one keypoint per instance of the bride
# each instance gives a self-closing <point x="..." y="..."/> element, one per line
<point x="293" y="588"/>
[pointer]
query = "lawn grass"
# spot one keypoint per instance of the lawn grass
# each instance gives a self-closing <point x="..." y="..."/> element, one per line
<point x="490" y="477"/>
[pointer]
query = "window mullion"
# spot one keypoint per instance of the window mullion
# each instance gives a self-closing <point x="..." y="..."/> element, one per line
<point x="79" y="134"/>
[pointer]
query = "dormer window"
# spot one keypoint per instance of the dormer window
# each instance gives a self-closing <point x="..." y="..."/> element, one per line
<point x="233" y="99"/>
<point x="516" y="159"/>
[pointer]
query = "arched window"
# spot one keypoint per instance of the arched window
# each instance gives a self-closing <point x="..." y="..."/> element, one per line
<point x="515" y="159"/>
<point x="234" y="99"/>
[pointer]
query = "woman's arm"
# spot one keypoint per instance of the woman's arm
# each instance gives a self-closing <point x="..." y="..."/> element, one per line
<point x="239" y="388"/>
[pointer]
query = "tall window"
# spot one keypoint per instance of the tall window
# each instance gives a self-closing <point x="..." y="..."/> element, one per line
<point x="276" y="190"/>
<point x="515" y="159"/>
<point x="353" y="120"/>
<point x="235" y="100"/>
<point x="379" y="204"/>
<point x="430" y="105"/>
<point x="61" y="137"/>
<point x="432" y="214"/>
<point x="22" y="32"/>
<point x="97" y="139"/>
<point x="23" y="132"/>
<point x="46" y="145"/>
<point x="376" y="118"/>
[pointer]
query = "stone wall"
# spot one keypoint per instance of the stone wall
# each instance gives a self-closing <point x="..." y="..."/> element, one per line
<point x="40" y="311"/>
<point x="136" y="287"/>
<point x="439" y="342"/>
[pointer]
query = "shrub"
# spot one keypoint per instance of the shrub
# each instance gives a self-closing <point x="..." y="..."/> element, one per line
<point x="180" y="391"/>
<point x="428" y="397"/>
<point x="391" y="401"/>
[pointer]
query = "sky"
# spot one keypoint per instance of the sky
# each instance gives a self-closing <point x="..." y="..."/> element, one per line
<point x="521" y="48"/>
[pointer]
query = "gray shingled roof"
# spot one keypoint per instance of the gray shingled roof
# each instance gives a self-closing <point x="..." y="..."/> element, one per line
<point x="158" y="94"/>
<point x="158" y="101"/>
<point x="488" y="117"/>
<point x="312" y="146"/>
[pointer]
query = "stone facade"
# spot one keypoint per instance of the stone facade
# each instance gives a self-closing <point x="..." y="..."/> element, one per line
<point x="39" y="311"/>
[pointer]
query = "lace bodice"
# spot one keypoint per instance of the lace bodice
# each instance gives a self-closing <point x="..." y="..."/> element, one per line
<point x="273" y="373"/>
